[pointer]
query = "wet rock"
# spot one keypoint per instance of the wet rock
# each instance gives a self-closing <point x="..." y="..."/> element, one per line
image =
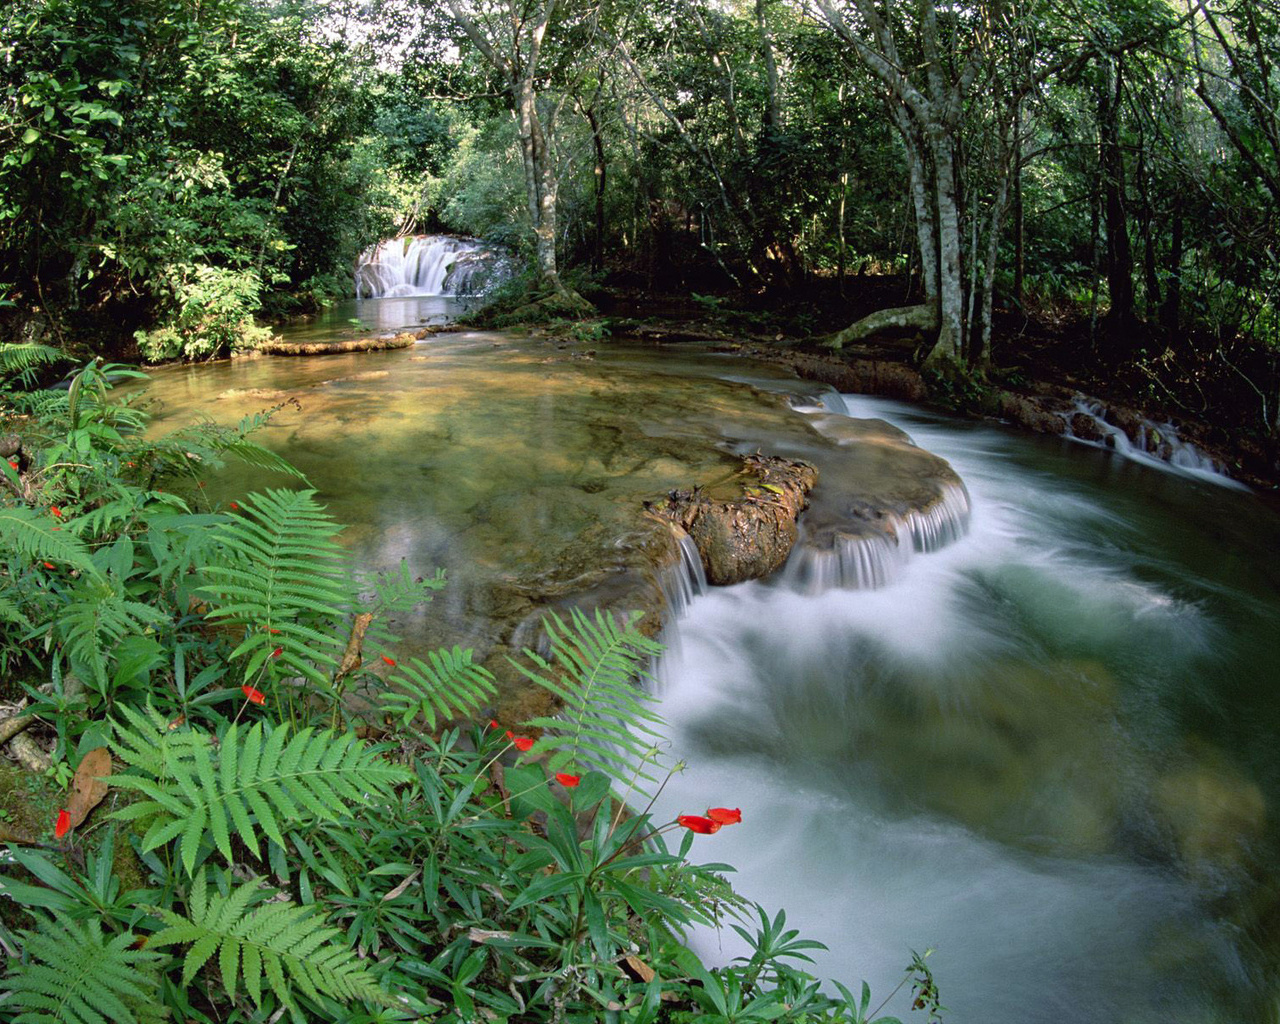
<point x="750" y="536"/>
<point x="1086" y="428"/>
<point x="861" y="376"/>
<point x="1211" y="811"/>
<point x="1030" y="413"/>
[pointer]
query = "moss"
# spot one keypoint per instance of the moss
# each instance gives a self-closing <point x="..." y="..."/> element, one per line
<point x="28" y="805"/>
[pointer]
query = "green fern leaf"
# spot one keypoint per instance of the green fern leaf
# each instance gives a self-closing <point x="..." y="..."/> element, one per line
<point x="606" y="721"/>
<point x="31" y="534"/>
<point x="245" y="786"/>
<point x="282" y="579"/>
<point x="73" y="974"/>
<point x="447" y="685"/>
<point x="288" y="944"/>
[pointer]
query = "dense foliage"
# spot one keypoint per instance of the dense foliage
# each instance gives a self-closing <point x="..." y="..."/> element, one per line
<point x="1108" y="172"/>
<point x="272" y="813"/>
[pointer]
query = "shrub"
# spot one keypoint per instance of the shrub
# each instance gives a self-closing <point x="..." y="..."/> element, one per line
<point x="213" y="315"/>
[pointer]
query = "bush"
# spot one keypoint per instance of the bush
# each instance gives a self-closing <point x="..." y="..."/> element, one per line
<point x="213" y="315"/>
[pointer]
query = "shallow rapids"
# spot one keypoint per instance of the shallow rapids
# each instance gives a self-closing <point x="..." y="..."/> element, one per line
<point x="1046" y="750"/>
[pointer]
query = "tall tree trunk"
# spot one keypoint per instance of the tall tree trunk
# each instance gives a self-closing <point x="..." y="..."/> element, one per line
<point x="1019" y="225"/>
<point x="601" y="171"/>
<point x="1120" y="319"/>
<point x="946" y="355"/>
<point x="1171" y="311"/>
<point x="1151" y="280"/>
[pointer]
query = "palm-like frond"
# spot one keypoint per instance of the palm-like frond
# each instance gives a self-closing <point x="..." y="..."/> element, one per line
<point x="281" y="578"/>
<point x="447" y="685"/>
<point x="95" y="617"/>
<point x="289" y="945"/>
<point x="606" y="721"/>
<point x="253" y="782"/>
<point x="73" y="974"/>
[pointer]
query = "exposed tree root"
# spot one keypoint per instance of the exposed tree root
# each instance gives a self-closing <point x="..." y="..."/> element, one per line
<point x="900" y="318"/>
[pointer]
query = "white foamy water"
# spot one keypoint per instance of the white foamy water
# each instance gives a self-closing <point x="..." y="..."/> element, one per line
<point x="969" y="758"/>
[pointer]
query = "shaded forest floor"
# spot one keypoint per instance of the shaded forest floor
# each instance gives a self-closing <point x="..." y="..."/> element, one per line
<point x="1044" y="356"/>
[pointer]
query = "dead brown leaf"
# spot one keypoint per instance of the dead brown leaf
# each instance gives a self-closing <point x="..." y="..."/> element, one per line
<point x="352" y="657"/>
<point x="88" y="787"/>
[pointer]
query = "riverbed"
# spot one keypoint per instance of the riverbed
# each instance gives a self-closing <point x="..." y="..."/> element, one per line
<point x="1045" y="747"/>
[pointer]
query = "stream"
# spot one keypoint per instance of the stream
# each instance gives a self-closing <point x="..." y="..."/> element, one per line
<point x="1046" y="749"/>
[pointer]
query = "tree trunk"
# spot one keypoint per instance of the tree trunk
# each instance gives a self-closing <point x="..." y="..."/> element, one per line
<point x="1120" y="319"/>
<point x="1019" y="225"/>
<point x="946" y="355"/>
<point x="601" y="169"/>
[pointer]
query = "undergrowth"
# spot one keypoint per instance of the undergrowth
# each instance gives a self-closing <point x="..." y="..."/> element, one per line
<point x="244" y="843"/>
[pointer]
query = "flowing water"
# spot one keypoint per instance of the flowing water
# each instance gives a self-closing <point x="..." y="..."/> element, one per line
<point x="1047" y="750"/>
<point x="1045" y="747"/>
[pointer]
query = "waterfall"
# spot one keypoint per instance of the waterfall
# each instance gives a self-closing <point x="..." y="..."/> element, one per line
<point x="856" y="561"/>
<point x="1146" y="441"/>
<point x="428" y="265"/>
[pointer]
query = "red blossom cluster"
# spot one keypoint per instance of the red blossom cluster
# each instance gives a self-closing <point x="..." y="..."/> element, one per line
<point x="714" y="820"/>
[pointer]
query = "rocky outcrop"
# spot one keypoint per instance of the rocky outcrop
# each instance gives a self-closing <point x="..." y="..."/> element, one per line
<point x="749" y="536"/>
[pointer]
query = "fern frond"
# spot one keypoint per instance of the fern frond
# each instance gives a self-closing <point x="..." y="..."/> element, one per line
<point x="606" y="721"/>
<point x="282" y="580"/>
<point x="10" y="612"/>
<point x="96" y="617"/>
<point x="73" y="974"/>
<point x="447" y="685"/>
<point x="290" y="945"/>
<point x="31" y="534"/>
<point x="19" y="357"/>
<point x="253" y="782"/>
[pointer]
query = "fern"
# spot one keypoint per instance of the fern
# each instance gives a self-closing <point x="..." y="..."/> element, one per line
<point x="32" y="535"/>
<point x="95" y="617"/>
<point x="286" y="943"/>
<point x="73" y="974"/>
<point x="19" y="357"/>
<point x="606" y="721"/>
<point x="447" y="685"/>
<point x="255" y="781"/>
<point x="281" y="580"/>
<point x="210" y="442"/>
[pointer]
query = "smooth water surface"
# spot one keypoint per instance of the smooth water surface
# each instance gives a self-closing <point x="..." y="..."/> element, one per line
<point x="1048" y="751"/>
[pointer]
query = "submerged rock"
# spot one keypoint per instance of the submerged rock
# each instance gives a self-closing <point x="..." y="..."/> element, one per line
<point x="750" y="536"/>
<point x="280" y="347"/>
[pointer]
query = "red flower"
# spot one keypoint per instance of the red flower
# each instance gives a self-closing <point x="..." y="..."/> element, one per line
<point x="697" y="823"/>
<point x="63" y="826"/>
<point x="725" y="815"/>
<point x="234" y="507"/>
<point x="13" y="465"/>
<point x="493" y="724"/>
<point x="57" y="512"/>
<point x="270" y="630"/>
<point x="389" y="661"/>
<point x="49" y="565"/>
<point x="277" y="652"/>
<point x="131" y="465"/>
<point x="253" y="696"/>
<point x="522" y="742"/>
<point x="567" y="780"/>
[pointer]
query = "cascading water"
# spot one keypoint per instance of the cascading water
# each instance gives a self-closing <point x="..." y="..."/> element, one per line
<point x="1004" y="753"/>
<point x="428" y="265"/>
<point x="1151" y="442"/>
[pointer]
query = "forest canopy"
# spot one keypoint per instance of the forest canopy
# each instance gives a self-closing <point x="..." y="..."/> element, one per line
<point x="1114" y="167"/>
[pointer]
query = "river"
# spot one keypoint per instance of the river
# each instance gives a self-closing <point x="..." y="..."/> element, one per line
<point x="1046" y="750"/>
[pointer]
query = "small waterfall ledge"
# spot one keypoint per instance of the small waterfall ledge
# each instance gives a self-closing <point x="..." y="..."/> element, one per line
<point x="426" y="265"/>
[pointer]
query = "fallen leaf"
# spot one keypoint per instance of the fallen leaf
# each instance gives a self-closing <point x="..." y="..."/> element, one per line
<point x="88" y="787"/>
<point x="351" y="657"/>
<point x="638" y="969"/>
<point x="399" y="889"/>
<point x="481" y="935"/>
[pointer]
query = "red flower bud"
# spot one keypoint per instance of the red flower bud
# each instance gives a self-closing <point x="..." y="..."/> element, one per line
<point x="277" y="652"/>
<point x="493" y="724"/>
<point x="389" y="661"/>
<point x="13" y="465"/>
<point x="567" y="780"/>
<point x="234" y="507"/>
<point x="697" y="823"/>
<point x="49" y="565"/>
<point x="725" y="815"/>
<point x="253" y="696"/>
<point x="57" y="512"/>
<point x="63" y="825"/>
